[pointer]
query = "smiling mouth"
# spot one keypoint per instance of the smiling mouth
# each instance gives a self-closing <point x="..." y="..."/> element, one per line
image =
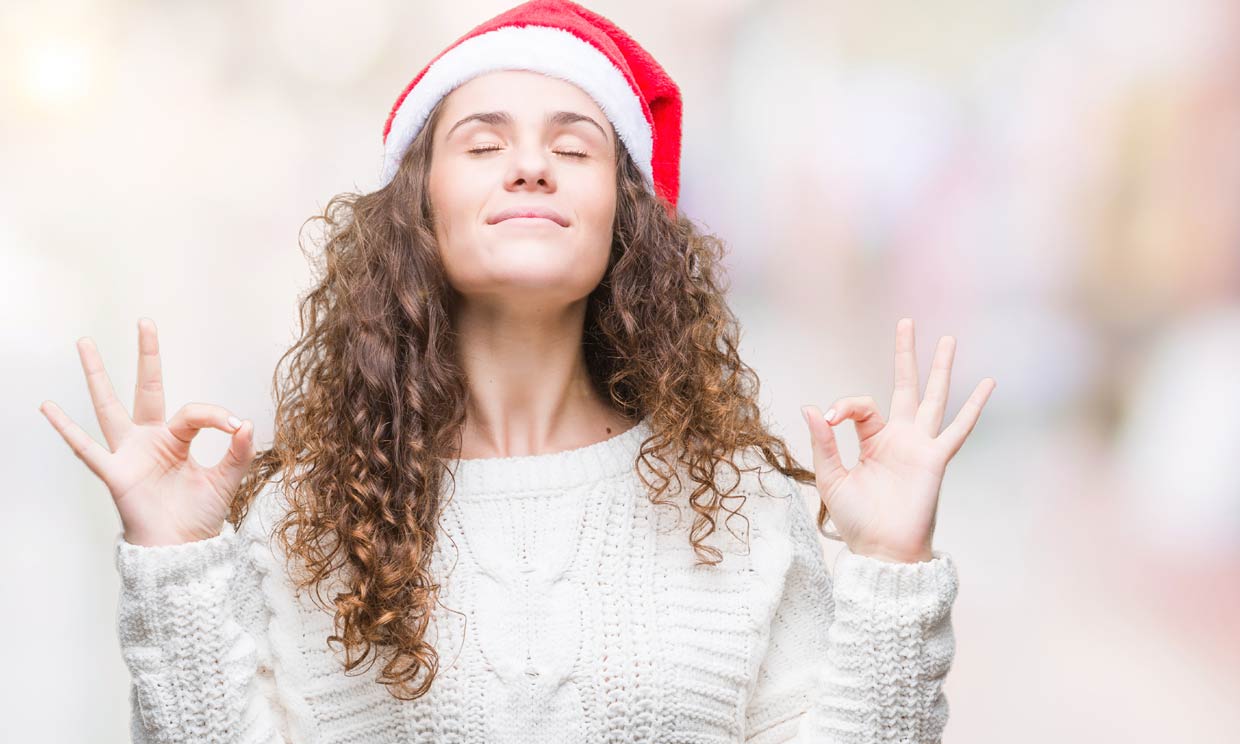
<point x="529" y="221"/>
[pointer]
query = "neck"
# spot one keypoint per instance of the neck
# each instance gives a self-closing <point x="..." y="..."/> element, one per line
<point x="495" y="477"/>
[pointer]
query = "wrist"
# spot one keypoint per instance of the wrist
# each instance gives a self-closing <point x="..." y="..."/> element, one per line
<point x="152" y="539"/>
<point x="895" y="557"/>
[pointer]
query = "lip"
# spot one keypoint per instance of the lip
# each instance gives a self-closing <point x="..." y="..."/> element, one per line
<point x="530" y="211"/>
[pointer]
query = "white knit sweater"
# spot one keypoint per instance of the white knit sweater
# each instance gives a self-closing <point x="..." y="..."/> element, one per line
<point x="577" y="615"/>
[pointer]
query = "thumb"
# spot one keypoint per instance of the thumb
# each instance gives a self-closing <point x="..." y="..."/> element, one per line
<point x="236" y="461"/>
<point x="828" y="468"/>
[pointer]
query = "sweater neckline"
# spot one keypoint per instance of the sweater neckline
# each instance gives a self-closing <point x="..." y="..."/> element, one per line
<point x="499" y="477"/>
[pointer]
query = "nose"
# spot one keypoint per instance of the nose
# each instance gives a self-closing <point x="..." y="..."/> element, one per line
<point x="530" y="169"/>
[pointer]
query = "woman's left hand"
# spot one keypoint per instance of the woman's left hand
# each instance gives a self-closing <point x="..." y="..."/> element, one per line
<point x="885" y="506"/>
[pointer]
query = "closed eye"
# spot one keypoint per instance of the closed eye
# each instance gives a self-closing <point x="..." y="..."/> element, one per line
<point x="573" y="153"/>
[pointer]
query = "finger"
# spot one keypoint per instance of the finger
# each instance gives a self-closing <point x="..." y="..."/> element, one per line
<point x="113" y="418"/>
<point x="906" y="396"/>
<point x="934" y="405"/>
<point x="828" y="468"/>
<point x="148" y="398"/>
<point x="231" y="468"/>
<point x="194" y="417"/>
<point x="954" y="435"/>
<point x="863" y="411"/>
<point x="83" y="445"/>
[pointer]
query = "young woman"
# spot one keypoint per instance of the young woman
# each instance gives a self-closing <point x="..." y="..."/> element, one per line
<point x="503" y="446"/>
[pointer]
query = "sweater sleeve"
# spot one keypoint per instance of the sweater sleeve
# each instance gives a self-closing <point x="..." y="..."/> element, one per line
<point x="860" y="656"/>
<point x="191" y="622"/>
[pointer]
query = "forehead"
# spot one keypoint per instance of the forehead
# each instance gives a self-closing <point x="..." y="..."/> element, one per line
<point x="525" y="94"/>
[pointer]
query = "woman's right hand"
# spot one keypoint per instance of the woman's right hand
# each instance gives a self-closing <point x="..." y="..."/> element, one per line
<point x="163" y="496"/>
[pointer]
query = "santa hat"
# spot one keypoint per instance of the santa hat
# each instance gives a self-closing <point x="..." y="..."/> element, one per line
<point x="564" y="40"/>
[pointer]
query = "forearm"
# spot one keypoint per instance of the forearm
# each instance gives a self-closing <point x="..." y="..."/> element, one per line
<point x="193" y="664"/>
<point x="888" y="651"/>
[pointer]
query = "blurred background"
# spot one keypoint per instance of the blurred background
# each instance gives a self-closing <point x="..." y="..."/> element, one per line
<point x="1056" y="183"/>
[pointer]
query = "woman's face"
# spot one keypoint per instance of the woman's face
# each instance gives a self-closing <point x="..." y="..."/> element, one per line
<point x="514" y="140"/>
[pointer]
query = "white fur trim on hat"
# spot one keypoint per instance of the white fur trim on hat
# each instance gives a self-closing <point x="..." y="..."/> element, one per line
<point x="551" y="51"/>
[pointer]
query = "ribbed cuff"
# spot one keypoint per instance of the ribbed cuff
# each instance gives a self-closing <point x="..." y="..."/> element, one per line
<point x="145" y="566"/>
<point x="913" y="589"/>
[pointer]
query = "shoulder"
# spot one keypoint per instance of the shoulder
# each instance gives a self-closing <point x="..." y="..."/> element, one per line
<point x="257" y="530"/>
<point x="748" y="473"/>
<point x="267" y="508"/>
<point x="784" y="508"/>
<point x="773" y="501"/>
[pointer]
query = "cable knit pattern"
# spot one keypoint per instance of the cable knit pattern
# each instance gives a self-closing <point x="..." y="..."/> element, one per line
<point x="573" y="612"/>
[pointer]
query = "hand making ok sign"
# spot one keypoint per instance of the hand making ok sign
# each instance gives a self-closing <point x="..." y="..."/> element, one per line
<point x="163" y="495"/>
<point x="885" y="505"/>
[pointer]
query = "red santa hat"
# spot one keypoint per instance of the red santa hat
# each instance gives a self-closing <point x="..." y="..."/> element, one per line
<point x="564" y="40"/>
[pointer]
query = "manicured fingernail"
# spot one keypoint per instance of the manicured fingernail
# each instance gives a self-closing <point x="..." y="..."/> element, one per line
<point x="234" y="422"/>
<point x="828" y="415"/>
<point x="805" y="413"/>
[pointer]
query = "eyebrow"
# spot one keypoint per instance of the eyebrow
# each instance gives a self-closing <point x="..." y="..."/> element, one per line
<point x="555" y="118"/>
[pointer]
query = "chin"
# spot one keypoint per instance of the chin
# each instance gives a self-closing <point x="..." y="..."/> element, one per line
<point x="541" y="273"/>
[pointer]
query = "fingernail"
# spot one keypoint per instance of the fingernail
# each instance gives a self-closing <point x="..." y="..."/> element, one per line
<point x="805" y="413"/>
<point x="234" y="422"/>
<point x="828" y="415"/>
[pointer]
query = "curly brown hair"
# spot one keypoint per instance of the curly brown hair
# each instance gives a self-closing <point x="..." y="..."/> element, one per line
<point x="371" y="407"/>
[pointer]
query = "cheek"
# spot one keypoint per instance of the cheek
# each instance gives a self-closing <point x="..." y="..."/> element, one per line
<point x="599" y="212"/>
<point x="452" y="203"/>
